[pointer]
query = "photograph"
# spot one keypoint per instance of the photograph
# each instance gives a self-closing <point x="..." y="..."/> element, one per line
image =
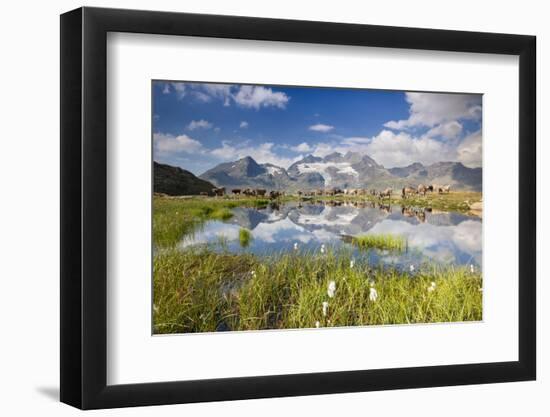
<point x="290" y="207"/>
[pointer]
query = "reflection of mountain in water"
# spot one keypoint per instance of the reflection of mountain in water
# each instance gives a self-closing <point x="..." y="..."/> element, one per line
<point x="247" y="218"/>
<point x="441" y="236"/>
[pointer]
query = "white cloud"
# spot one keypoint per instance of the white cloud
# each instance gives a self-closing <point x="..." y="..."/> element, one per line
<point x="322" y="149"/>
<point x="448" y="130"/>
<point x="207" y="92"/>
<point x="180" y="90"/>
<point x="203" y="97"/>
<point x="470" y="150"/>
<point x="430" y="109"/>
<point x="391" y="149"/>
<point x="166" y="89"/>
<point x="167" y="143"/>
<point x="258" y="96"/>
<point x="243" y="125"/>
<point x="249" y="96"/>
<point x="319" y="127"/>
<point x="199" y="124"/>
<point x="262" y="153"/>
<point x="302" y="147"/>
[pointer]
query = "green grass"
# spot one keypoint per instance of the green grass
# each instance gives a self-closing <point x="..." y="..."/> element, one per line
<point x="380" y="241"/>
<point x="175" y="217"/>
<point x="244" y="237"/>
<point x="201" y="291"/>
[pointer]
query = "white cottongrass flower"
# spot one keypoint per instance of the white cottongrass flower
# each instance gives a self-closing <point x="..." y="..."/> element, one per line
<point x="317" y="324"/>
<point x="331" y="289"/>
<point x="253" y="273"/>
<point x="373" y="294"/>
<point x="352" y="263"/>
<point x="431" y="287"/>
<point x="411" y="268"/>
<point x="325" y="308"/>
<point x="323" y="248"/>
<point x="295" y="245"/>
<point x="472" y="269"/>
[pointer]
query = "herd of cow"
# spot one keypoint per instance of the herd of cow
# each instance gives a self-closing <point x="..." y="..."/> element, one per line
<point x="249" y="192"/>
<point x="423" y="189"/>
<point x="406" y="192"/>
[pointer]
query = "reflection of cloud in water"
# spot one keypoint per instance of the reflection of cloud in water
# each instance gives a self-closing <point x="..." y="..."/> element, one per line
<point x="438" y="242"/>
<point x="212" y="232"/>
<point x="281" y="231"/>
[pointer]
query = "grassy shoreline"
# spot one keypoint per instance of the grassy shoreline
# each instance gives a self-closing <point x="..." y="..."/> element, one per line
<point x="175" y="217"/>
<point x="460" y="201"/>
<point x="203" y="291"/>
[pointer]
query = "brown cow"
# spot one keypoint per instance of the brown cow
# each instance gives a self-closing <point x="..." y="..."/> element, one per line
<point x="218" y="191"/>
<point x="260" y="192"/>
<point x="386" y="193"/>
<point x="274" y="194"/>
<point x="422" y="189"/>
<point x="236" y="191"/>
<point x="407" y="191"/>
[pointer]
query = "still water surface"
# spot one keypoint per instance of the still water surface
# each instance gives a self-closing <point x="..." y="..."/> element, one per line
<point x="432" y="236"/>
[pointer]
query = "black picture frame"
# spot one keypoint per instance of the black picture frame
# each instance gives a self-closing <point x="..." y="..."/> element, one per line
<point x="84" y="207"/>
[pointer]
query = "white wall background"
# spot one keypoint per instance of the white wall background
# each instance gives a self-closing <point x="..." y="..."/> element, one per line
<point x="29" y="209"/>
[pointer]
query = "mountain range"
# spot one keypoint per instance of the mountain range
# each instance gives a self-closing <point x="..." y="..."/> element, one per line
<point x="350" y="170"/>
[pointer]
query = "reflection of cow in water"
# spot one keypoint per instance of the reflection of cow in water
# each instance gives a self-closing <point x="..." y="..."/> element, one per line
<point x="419" y="213"/>
<point x="386" y="208"/>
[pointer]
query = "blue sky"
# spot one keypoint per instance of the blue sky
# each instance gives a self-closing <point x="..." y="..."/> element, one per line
<point x="198" y="125"/>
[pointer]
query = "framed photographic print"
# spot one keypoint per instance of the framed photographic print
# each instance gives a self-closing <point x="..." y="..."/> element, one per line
<point x="258" y="208"/>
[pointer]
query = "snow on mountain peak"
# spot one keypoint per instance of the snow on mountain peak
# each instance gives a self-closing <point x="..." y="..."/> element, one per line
<point x="328" y="169"/>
